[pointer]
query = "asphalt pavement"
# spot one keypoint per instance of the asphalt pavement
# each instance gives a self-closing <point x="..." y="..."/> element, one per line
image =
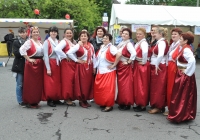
<point x="76" y="123"/>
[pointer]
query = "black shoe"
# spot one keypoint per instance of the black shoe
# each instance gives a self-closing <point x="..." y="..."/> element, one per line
<point x="127" y="107"/>
<point x="135" y="107"/>
<point x="51" y="104"/>
<point x="58" y="102"/>
<point x="121" y="107"/>
<point x="139" y="109"/>
<point x="22" y="104"/>
<point x="102" y="107"/>
<point x="107" y="110"/>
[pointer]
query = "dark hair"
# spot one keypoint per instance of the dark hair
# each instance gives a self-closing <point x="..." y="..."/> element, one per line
<point x="109" y="36"/>
<point x="46" y="31"/>
<point x="178" y="30"/>
<point x="189" y="37"/>
<point x="95" y="31"/>
<point x="129" y="31"/>
<point x="53" y="29"/>
<point x="84" y="32"/>
<point x="21" y="30"/>
<point x="68" y="29"/>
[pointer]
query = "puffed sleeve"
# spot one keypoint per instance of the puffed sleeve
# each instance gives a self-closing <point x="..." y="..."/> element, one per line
<point x="46" y="56"/>
<point x="113" y="50"/>
<point x="25" y="47"/>
<point x="58" y="49"/>
<point x="161" y="51"/>
<point x="144" y="47"/>
<point x="191" y="66"/>
<point x="131" y="50"/>
<point x="71" y="52"/>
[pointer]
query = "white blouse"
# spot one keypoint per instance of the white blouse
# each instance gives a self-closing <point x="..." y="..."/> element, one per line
<point x="144" y="47"/>
<point x="191" y="65"/>
<point x="131" y="50"/>
<point x="101" y="63"/>
<point x="160" y="58"/>
<point x="172" y="48"/>
<point x="27" y="45"/>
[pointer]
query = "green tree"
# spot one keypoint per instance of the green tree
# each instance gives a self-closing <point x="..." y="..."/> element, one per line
<point x="184" y="3"/>
<point x="149" y="2"/>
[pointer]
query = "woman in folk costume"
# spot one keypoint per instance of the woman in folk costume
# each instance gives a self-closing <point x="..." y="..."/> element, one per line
<point x="67" y="67"/>
<point x="183" y="105"/>
<point x="158" y="69"/>
<point x="141" y="72"/>
<point x="172" y="55"/>
<point x="52" y="83"/>
<point x="105" y="86"/>
<point x="33" y="73"/>
<point x="84" y="79"/>
<point x="124" y="71"/>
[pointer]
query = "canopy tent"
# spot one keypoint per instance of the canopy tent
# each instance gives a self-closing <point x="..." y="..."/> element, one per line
<point x="42" y="23"/>
<point x="154" y="14"/>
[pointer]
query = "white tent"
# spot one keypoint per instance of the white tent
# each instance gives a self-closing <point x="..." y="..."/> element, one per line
<point x="154" y="14"/>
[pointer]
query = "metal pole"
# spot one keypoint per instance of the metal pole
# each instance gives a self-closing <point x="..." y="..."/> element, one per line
<point x="197" y="3"/>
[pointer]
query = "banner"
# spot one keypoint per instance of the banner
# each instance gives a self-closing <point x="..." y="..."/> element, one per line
<point x="136" y="26"/>
<point x="197" y="30"/>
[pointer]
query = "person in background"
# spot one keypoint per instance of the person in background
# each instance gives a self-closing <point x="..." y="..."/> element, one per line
<point x="32" y="51"/>
<point x="18" y="64"/>
<point x="9" y="41"/>
<point x="2" y="64"/>
<point x="96" y="39"/>
<point x="183" y="105"/>
<point x="52" y="79"/>
<point x="47" y="34"/>
<point x="191" y="45"/>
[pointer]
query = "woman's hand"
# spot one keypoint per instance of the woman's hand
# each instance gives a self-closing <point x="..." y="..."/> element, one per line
<point x="33" y="61"/>
<point x="125" y="63"/>
<point x="80" y="61"/>
<point x="157" y="68"/>
<point x="111" y="67"/>
<point x="94" y="71"/>
<point x="80" y="43"/>
<point x="68" y="59"/>
<point x="49" y="72"/>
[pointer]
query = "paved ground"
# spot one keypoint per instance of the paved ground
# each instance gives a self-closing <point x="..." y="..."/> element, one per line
<point x="47" y="123"/>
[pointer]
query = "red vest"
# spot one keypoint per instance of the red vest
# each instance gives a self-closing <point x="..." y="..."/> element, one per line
<point x="155" y="51"/>
<point x="139" y="52"/>
<point x="81" y="52"/>
<point x="109" y="57"/>
<point x="32" y="51"/>
<point x="50" y="49"/>
<point x="66" y="48"/>
<point x="181" y="58"/>
<point x="125" y="52"/>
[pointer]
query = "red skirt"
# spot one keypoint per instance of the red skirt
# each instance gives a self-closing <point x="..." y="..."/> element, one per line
<point x="171" y="73"/>
<point x="183" y="105"/>
<point x="125" y="84"/>
<point x="84" y="82"/>
<point x="104" y="89"/>
<point x="33" y="82"/>
<point x="52" y="84"/>
<point x="158" y="87"/>
<point x="141" y="74"/>
<point x="67" y="79"/>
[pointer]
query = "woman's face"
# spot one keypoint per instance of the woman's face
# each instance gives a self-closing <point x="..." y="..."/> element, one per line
<point x="35" y="34"/>
<point x="100" y="33"/>
<point x="84" y="38"/>
<point x="175" y="36"/>
<point x="53" y="34"/>
<point x="106" y="40"/>
<point x="140" y="35"/>
<point x="125" y="35"/>
<point x="153" y="32"/>
<point x="68" y="34"/>
<point x="157" y="35"/>
<point x="182" y="41"/>
<point x="23" y="35"/>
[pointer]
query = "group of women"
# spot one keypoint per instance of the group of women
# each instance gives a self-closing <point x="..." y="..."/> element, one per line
<point x="154" y="73"/>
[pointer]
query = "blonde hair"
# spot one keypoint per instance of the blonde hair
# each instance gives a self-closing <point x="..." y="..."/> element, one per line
<point x="122" y="27"/>
<point x="142" y="30"/>
<point x="162" y="31"/>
